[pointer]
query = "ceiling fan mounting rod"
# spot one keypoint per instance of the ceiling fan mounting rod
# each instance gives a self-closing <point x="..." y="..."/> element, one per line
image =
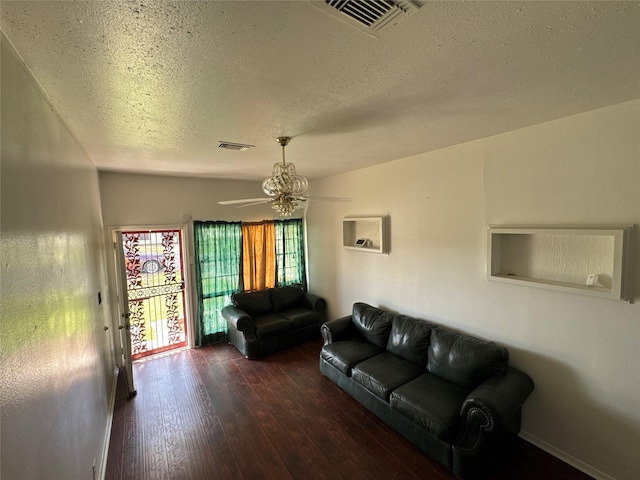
<point x="283" y="141"/>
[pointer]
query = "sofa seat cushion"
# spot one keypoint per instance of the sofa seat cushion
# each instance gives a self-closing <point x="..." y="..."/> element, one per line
<point x="384" y="373"/>
<point x="432" y="403"/>
<point x="272" y="325"/>
<point x="301" y="317"/>
<point x="345" y="354"/>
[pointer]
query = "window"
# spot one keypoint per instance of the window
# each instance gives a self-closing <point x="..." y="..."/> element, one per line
<point x="290" y="258"/>
<point x="219" y="271"/>
<point x="218" y="249"/>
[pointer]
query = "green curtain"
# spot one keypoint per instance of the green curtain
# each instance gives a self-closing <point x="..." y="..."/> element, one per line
<point x="290" y="258"/>
<point x="218" y="251"/>
<point x="218" y="259"/>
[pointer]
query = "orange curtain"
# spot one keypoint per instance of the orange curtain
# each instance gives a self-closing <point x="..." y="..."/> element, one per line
<point x="259" y="255"/>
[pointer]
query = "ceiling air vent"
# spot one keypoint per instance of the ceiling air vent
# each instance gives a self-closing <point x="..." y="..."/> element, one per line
<point x="370" y="16"/>
<point x="235" y="146"/>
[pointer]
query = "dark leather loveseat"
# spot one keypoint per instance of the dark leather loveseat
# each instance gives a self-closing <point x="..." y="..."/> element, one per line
<point x="453" y="396"/>
<point x="268" y="320"/>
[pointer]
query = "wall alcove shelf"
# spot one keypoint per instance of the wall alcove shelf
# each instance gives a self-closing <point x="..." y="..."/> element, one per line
<point x="366" y="234"/>
<point x="588" y="260"/>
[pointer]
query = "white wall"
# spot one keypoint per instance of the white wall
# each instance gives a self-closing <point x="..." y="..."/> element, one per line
<point x="129" y="199"/>
<point x="582" y="352"/>
<point x="57" y="377"/>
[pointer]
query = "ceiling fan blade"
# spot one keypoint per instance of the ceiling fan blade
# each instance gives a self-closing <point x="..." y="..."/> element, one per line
<point x="266" y="200"/>
<point x="331" y="199"/>
<point x="244" y="200"/>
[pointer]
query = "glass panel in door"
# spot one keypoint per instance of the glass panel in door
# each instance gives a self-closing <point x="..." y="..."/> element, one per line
<point x="155" y="290"/>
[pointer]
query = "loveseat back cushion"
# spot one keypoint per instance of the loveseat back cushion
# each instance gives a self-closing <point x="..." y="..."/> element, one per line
<point x="373" y="323"/>
<point x="254" y="303"/>
<point x="284" y="298"/>
<point x="409" y="339"/>
<point x="464" y="360"/>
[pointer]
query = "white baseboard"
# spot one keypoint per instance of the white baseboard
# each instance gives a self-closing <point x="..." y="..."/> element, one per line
<point x="565" y="457"/>
<point x="107" y="436"/>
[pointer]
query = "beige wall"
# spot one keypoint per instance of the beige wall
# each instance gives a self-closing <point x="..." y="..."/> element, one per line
<point x="129" y="199"/>
<point x="582" y="352"/>
<point x="57" y="374"/>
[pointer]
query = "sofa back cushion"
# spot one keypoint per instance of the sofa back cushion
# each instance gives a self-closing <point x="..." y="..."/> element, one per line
<point x="284" y="298"/>
<point x="372" y="323"/>
<point x="409" y="339"/>
<point x="254" y="303"/>
<point x="464" y="360"/>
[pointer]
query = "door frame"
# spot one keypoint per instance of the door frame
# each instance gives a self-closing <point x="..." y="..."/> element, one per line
<point x="116" y="272"/>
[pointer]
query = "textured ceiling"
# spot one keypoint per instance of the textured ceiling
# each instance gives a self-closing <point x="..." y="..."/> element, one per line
<point x="152" y="86"/>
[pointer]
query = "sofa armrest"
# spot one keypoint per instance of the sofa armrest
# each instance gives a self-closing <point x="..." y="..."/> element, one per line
<point x="314" y="302"/>
<point x="240" y="319"/>
<point x="334" y="329"/>
<point x="492" y="406"/>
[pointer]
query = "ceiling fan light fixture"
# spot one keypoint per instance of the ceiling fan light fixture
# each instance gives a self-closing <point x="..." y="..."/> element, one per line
<point x="285" y="188"/>
<point x="285" y="206"/>
<point x="284" y="183"/>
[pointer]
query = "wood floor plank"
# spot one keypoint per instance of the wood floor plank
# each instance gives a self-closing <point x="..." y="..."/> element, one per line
<point x="192" y="413"/>
<point x="211" y="413"/>
<point x="318" y="428"/>
<point x="224" y="463"/>
<point x="291" y="419"/>
<point x="169" y="405"/>
<point x="257" y="459"/>
<point x="266" y="408"/>
<point x="238" y="445"/>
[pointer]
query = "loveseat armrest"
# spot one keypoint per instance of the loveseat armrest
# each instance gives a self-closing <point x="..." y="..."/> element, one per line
<point x="240" y="319"/>
<point x="492" y="405"/>
<point x="314" y="302"/>
<point x="334" y="329"/>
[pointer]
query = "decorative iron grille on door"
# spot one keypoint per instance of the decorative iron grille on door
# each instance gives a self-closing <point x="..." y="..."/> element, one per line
<point x="155" y="287"/>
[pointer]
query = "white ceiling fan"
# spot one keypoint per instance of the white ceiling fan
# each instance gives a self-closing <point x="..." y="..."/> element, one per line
<point x="284" y="188"/>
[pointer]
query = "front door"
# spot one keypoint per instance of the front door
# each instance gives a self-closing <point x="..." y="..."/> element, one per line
<point x="155" y="291"/>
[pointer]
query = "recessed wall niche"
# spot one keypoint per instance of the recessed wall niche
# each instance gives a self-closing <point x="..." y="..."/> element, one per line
<point x="366" y="234"/>
<point x="589" y="260"/>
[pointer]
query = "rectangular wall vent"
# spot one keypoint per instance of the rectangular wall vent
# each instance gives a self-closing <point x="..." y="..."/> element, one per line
<point x="235" y="146"/>
<point x="369" y="15"/>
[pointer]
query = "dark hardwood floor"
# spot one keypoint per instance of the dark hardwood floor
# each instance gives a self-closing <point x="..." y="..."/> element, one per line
<point x="209" y="413"/>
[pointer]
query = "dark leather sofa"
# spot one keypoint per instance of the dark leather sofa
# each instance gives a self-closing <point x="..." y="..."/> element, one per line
<point x="452" y="395"/>
<point x="264" y="321"/>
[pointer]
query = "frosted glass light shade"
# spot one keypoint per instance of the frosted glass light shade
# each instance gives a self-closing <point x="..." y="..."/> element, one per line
<point x="284" y="181"/>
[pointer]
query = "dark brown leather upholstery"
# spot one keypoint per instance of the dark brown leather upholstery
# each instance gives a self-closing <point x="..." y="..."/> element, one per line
<point x="452" y="395"/>
<point x="267" y="320"/>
